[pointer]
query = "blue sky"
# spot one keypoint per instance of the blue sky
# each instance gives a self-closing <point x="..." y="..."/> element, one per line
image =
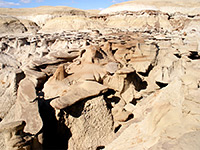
<point x="82" y="4"/>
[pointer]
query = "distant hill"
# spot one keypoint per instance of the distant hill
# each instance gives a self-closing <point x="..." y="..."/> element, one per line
<point x="42" y="14"/>
<point x="169" y="6"/>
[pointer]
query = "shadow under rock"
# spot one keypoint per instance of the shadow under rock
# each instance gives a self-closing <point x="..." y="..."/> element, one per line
<point x="113" y="99"/>
<point x="76" y="109"/>
<point x="55" y="133"/>
<point x="137" y="81"/>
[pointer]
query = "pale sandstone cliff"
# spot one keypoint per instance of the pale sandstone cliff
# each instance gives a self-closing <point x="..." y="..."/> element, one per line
<point x="170" y="6"/>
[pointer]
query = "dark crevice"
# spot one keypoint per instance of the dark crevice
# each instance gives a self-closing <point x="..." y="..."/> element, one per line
<point x="129" y="117"/>
<point x="4" y="46"/>
<point x="76" y="109"/>
<point x="161" y="85"/>
<point x="108" y="100"/>
<point x="134" y="101"/>
<point x="114" y="51"/>
<point x="137" y="81"/>
<point x="191" y="16"/>
<point x="100" y="147"/>
<point x="157" y="52"/>
<point x="82" y="52"/>
<point x="55" y="132"/>
<point x="194" y="55"/>
<point x="178" y="55"/>
<point x="41" y="83"/>
<point x="102" y="51"/>
<point x="153" y="64"/>
<point x="87" y="43"/>
<point x="145" y="74"/>
<point x="117" y="128"/>
<point x="0" y="119"/>
<point x="99" y="55"/>
<point x="19" y="76"/>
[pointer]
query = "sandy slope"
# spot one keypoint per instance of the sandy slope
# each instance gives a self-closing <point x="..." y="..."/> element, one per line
<point x="170" y="6"/>
<point x="42" y="14"/>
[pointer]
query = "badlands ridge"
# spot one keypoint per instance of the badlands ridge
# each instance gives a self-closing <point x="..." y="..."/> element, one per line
<point x="127" y="77"/>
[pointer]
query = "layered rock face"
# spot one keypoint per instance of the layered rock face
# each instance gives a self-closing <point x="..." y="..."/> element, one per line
<point x="132" y="84"/>
<point x="168" y="6"/>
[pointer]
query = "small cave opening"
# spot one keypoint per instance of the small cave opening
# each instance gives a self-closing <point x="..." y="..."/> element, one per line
<point x="110" y="98"/>
<point x="194" y="55"/>
<point x="117" y="128"/>
<point x="114" y="51"/>
<point x="55" y="133"/>
<point x="135" y="100"/>
<point x="131" y="116"/>
<point x="100" y="147"/>
<point x="177" y="55"/>
<point x="161" y="85"/>
<point x="191" y="16"/>
<point x="99" y="55"/>
<point x="137" y="81"/>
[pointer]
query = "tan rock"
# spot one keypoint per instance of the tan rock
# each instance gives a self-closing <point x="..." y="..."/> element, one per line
<point x="86" y="71"/>
<point x="115" y="82"/>
<point x="78" y="92"/>
<point x="120" y="114"/>
<point x="64" y="55"/>
<point x="55" y="86"/>
<point x="112" y="67"/>
<point x="42" y="14"/>
<point x="93" y="128"/>
<point x="128" y="95"/>
<point x="10" y="77"/>
<point x="161" y="112"/>
<point x="70" y="23"/>
<point x="144" y="56"/>
<point x="90" y="54"/>
<point x="25" y="109"/>
<point x="11" y="25"/>
<point x="107" y="48"/>
<point x="14" y="137"/>
<point x="60" y="73"/>
<point x="169" y="6"/>
<point x="38" y="78"/>
<point x="185" y="142"/>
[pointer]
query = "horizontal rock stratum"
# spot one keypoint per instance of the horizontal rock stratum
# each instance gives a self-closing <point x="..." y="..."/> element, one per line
<point x="170" y="6"/>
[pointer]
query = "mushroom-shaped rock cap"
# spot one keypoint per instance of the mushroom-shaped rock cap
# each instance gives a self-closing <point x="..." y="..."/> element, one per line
<point x="78" y="92"/>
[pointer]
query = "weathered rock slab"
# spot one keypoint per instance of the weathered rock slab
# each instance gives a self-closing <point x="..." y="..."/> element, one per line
<point x="78" y="92"/>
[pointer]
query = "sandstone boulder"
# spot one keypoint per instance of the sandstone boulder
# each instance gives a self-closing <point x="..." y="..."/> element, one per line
<point x="26" y="108"/>
<point x="11" y="25"/>
<point x="14" y="136"/>
<point x="93" y="128"/>
<point x="10" y="76"/>
<point x="165" y="116"/>
<point x="78" y="92"/>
